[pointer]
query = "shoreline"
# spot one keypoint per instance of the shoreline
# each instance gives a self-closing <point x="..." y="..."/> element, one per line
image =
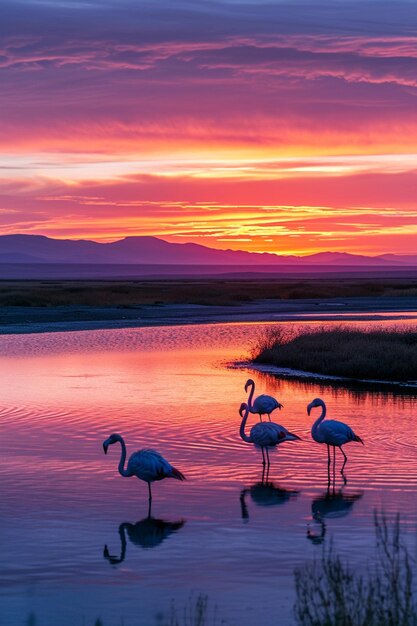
<point x="287" y="372"/>
<point x="30" y="320"/>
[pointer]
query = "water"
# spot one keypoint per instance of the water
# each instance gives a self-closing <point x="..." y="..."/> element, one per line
<point x="221" y="533"/>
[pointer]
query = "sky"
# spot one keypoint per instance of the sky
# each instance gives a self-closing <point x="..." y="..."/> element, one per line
<point x="283" y="126"/>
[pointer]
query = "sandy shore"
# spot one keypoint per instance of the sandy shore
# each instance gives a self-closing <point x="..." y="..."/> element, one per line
<point x="20" y="320"/>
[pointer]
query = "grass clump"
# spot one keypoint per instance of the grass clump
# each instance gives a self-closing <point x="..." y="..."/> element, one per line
<point x="330" y="593"/>
<point x="352" y="353"/>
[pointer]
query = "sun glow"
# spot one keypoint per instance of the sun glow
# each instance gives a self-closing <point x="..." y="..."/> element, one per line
<point x="249" y="135"/>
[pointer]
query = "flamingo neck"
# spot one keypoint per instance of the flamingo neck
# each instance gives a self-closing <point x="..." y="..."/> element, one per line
<point x="122" y="469"/>
<point x="319" y="419"/>
<point x="242" y="433"/>
<point x="252" y="391"/>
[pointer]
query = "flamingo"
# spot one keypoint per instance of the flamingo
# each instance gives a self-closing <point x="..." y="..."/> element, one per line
<point x="332" y="433"/>
<point x="146" y="464"/>
<point x="262" y="404"/>
<point x="264" y="434"/>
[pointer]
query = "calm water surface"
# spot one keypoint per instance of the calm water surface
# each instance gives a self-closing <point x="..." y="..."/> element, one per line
<point x="221" y="533"/>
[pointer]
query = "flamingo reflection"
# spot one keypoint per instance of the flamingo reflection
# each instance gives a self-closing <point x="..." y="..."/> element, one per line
<point x="265" y="493"/>
<point x="147" y="533"/>
<point x="330" y="505"/>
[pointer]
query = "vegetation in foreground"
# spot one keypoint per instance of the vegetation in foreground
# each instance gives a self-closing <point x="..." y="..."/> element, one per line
<point x="350" y="352"/>
<point x="331" y="593"/>
<point x="49" y="293"/>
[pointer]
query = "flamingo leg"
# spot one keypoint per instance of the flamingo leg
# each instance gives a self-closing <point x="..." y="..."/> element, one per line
<point x="263" y="457"/>
<point x="345" y="461"/>
<point x="267" y="456"/>
<point x="269" y="416"/>
<point x="150" y="492"/>
<point x="328" y="457"/>
<point x="260" y="416"/>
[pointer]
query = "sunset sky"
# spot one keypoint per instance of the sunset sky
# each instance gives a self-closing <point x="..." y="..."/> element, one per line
<point x="287" y="126"/>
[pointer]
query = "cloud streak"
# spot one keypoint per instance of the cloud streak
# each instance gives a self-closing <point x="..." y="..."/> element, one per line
<point x="127" y="116"/>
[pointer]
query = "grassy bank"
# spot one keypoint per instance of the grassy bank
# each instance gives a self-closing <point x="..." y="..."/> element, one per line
<point x="352" y="353"/>
<point x="50" y="293"/>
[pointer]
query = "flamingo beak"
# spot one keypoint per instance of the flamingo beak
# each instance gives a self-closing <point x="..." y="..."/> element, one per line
<point x="105" y="446"/>
<point x="308" y="410"/>
<point x="280" y="406"/>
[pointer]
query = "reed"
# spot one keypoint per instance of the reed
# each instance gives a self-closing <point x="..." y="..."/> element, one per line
<point x="352" y="353"/>
<point x="329" y="592"/>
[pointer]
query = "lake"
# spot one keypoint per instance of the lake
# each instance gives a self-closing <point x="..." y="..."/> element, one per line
<point x="76" y="540"/>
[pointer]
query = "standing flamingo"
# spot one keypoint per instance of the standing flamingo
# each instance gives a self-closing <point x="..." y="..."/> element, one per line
<point x="264" y="434"/>
<point x="332" y="433"/>
<point x="262" y="404"/>
<point x="146" y="464"/>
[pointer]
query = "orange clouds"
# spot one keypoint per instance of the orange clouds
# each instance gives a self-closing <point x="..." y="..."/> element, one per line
<point x="285" y="129"/>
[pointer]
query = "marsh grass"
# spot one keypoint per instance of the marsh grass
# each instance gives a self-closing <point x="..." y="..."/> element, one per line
<point x="208" y="291"/>
<point x="330" y="593"/>
<point x="340" y="351"/>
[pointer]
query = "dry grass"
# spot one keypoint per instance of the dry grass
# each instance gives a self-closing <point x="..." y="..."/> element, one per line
<point x="352" y="353"/>
<point x="49" y="293"/>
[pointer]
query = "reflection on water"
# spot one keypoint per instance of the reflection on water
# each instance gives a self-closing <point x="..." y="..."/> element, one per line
<point x="265" y="493"/>
<point x="172" y="389"/>
<point x="147" y="533"/>
<point x="330" y="505"/>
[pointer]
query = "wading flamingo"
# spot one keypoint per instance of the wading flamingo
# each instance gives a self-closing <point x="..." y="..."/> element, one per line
<point x="262" y="404"/>
<point x="264" y="435"/>
<point x="146" y="464"/>
<point x="332" y="433"/>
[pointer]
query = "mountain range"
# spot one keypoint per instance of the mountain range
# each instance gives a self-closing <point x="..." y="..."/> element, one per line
<point x="152" y="250"/>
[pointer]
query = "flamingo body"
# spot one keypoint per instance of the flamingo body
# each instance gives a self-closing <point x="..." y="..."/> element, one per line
<point x="150" y="466"/>
<point x="269" y="434"/>
<point x="331" y="432"/>
<point x="334" y="433"/>
<point x="147" y="465"/>
<point x="263" y="404"/>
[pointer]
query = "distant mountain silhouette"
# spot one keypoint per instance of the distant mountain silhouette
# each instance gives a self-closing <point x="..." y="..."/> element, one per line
<point x="407" y="259"/>
<point x="154" y="251"/>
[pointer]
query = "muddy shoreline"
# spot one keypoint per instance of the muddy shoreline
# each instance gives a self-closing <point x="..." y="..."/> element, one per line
<point x="24" y="320"/>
